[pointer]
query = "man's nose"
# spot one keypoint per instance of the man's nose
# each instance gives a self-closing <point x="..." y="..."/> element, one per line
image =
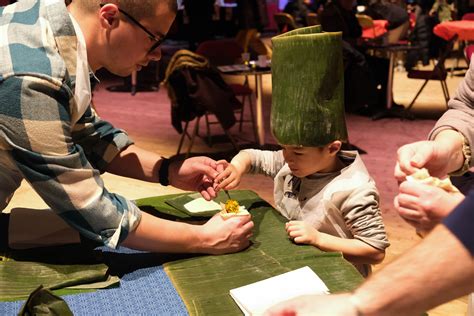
<point x="155" y="55"/>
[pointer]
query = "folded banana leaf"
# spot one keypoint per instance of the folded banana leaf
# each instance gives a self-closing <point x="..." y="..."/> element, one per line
<point x="203" y="282"/>
<point x="66" y="269"/>
<point x="44" y="302"/>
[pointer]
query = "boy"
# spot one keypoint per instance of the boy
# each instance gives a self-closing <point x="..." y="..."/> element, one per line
<point x="327" y="194"/>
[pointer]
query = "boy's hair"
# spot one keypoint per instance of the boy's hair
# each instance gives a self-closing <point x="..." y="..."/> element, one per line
<point x="137" y="8"/>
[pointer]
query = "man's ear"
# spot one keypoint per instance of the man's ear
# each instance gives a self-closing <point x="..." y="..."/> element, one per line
<point x="109" y="16"/>
<point x="334" y="147"/>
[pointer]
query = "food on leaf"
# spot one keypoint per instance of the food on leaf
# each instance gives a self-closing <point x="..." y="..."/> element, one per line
<point x="232" y="208"/>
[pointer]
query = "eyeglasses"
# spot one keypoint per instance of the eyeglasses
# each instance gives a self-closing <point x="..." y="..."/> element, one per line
<point x="158" y="40"/>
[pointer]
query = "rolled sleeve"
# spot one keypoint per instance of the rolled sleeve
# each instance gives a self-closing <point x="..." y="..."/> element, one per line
<point x="460" y="114"/>
<point x="362" y="216"/>
<point x="100" y="141"/>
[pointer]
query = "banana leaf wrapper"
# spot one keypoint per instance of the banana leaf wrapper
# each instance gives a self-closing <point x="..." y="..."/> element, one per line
<point x="308" y="88"/>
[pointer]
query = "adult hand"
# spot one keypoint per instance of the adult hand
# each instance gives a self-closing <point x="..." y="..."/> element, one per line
<point x="424" y="154"/>
<point x="440" y="156"/>
<point x="195" y="174"/>
<point x="328" y="305"/>
<point x="424" y="206"/>
<point x="226" y="235"/>
<point x="302" y="233"/>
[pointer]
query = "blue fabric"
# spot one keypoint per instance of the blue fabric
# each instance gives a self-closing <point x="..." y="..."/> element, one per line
<point x="146" y="291"/>
<point x="461" y="222"/>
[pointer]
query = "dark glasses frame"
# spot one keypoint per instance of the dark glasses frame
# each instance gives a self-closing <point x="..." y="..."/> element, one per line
<point x="158" y="40"/>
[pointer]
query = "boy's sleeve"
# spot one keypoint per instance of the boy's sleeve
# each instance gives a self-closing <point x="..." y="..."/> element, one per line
<point x="36" y="130"/>
<point x="265" y="162"/>
<point x="362" y="216"/>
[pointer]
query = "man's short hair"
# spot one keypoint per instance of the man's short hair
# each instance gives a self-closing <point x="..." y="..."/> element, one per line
<point x="137" y="8"/>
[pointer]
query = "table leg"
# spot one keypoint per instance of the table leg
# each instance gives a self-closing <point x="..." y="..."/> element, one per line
<point x="389" y="110"/>
<point x="260" y="123"/>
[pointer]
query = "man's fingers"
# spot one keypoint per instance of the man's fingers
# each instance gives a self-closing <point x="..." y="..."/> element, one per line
<point x="208" y="171"/>
<point x="411" y="215"/>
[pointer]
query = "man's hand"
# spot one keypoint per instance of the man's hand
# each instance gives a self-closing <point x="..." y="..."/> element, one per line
<point x="302" y="233"/>
<point x="226" y="235"/>
<point x="440" y="156"/>
<point x="195" y="174"/>
<point x="423" y="154"/>
<point x="424" y="206"/>
<point x="327" y="305"/>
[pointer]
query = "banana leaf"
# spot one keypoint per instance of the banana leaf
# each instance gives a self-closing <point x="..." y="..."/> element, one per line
<point x="44" y="302"/>
<point x="172" y="206"/>
<point x="204" y="282"/>
<point x="59" y="268"/>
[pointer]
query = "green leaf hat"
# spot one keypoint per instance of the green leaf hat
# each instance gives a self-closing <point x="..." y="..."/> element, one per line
<point x="308" y="88"/>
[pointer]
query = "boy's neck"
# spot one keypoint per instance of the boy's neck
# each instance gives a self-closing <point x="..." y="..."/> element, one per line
<point x="334" y="165"/>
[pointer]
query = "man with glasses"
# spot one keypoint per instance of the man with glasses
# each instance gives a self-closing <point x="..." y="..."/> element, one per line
<point x="50" y="136"/>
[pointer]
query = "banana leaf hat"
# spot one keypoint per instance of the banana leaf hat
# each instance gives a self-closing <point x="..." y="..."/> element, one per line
<point x="308" y="88"/>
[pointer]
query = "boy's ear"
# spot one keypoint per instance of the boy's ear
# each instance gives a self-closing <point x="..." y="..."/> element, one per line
<point x="334" y="147"/>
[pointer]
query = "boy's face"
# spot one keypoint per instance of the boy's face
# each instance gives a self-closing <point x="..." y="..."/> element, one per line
<point x="304" y="161"/>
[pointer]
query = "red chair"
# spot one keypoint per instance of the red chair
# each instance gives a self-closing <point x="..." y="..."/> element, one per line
<point x="228" y="52"/>
<point x="468" y="16"/>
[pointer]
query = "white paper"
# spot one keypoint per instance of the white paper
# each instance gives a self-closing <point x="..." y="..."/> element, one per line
<point x="200" y="205"/>
<point x="256" y="298"/>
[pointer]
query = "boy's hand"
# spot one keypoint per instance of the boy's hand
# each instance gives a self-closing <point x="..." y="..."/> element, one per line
<point x="303" y="233"/>
<point x="229" y="178"/>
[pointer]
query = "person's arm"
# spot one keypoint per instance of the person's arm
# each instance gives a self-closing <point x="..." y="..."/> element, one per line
<point x="217" y="236"/>
<point x="435" y="271"/>
<point x="444" y="153"/>
<point x="195" y="174"/>
<point x="354" y="250"/>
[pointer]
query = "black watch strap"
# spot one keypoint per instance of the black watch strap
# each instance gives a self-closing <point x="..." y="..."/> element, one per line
<point x="164" y="172"/>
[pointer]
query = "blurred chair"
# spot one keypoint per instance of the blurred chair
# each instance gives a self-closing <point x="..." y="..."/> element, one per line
<point x="438" y="73"/>
<point x="312" y="19"/>
<point x="285" y="22"/>
<point x="398" y="34"/>
<point x="468" y="16"/>
<point x="228" y="52"/>
<point x="196" y="89"/>
<point x="366" y="22"/>
<point x="250" y="41"/>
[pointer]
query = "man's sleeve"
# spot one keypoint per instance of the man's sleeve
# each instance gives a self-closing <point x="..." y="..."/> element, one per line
<point x="461" y="222"/>
<point x="99" y="140"/>
<point x="461" y="111"/>
<point x="36" y="129"/>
